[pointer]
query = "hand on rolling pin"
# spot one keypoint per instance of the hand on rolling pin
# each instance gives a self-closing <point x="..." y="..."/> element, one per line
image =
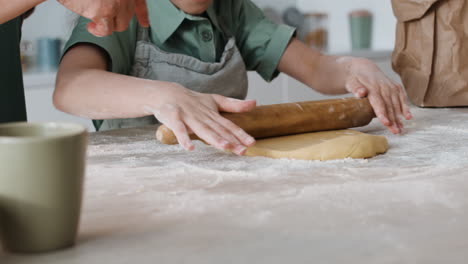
<point x="108" y="16"/>
<point x="386" y="97"/>
<point x="184" y="112"/>
<point x="337" y="75"/>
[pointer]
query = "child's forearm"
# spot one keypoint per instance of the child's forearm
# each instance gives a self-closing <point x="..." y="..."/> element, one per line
<point x="86" y="89"/>
<point x="326" y="74"/>
<point x="11" y="9"/>
<point x="98" y="94"/>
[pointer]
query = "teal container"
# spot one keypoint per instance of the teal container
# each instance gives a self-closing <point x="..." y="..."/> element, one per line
<point x="361" y="23"/>
<point x="48" y="54"/>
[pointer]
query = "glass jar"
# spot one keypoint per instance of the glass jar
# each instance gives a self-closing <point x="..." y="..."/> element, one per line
<point x="27" y="55"/>
<point x="315" y="31"/>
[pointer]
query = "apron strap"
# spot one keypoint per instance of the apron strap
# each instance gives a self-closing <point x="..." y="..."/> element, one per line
<point x="143" y="34"/>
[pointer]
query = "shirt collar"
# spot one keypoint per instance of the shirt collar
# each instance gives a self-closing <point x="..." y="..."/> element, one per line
<point x="166" y="18"/>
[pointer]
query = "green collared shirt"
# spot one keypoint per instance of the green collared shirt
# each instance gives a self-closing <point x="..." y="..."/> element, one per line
<point x="260" y="41"/>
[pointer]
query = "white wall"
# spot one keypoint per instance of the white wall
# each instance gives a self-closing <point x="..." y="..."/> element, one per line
<point x="50" y="19"/>
<point x="384" y="26"/>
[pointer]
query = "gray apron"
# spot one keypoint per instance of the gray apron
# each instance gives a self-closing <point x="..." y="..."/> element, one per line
<point x="227" y="77"/>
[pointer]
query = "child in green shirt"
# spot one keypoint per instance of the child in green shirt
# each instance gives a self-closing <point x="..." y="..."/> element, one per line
<point x="191" y="64"/>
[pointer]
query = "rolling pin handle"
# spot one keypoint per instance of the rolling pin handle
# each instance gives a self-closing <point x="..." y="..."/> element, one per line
<point x="293" y="118"/>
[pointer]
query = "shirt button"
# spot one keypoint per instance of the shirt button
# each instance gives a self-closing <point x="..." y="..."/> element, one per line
<point x="207" y="36"/>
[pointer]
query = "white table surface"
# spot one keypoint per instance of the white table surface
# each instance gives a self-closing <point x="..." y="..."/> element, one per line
<point x="148" y="203"/>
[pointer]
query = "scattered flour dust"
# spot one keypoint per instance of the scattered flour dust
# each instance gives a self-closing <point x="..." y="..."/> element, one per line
<point x="415" y="171"/>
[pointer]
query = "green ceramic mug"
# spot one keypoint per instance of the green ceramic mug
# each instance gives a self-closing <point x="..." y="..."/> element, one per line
<point x="360" y="22"/>
<point x="42" y="169"/>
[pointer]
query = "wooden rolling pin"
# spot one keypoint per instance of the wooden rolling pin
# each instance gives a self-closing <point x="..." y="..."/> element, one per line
<point x="294" y="118"/>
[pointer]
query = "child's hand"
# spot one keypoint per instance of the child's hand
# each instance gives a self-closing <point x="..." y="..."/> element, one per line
<point x="386" y="97"/>
<point x="185" y="111"/>
<point x="330" y="75"/>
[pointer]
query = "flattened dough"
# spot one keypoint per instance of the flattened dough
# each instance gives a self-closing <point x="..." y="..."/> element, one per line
<point x="329" y="145"/>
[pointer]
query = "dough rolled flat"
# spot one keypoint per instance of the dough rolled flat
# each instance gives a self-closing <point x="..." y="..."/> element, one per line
<point x="328" y="145"/>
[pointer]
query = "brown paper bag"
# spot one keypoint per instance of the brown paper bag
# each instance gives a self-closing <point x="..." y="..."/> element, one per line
<point x="431" y="51"/>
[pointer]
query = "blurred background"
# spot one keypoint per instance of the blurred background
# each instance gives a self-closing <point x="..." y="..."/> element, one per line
<point x="364" y="28"/>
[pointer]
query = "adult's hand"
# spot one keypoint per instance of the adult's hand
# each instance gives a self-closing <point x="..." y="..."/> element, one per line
<point x="108" y="16"/>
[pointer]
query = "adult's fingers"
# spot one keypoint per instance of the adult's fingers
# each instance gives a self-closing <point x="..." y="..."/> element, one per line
<point x="141" y="11"/>
<point x="91" y="27"/>
<point x="124" y="15"/>
<point x="101" y="27"/>
<point x="231" y="105"/>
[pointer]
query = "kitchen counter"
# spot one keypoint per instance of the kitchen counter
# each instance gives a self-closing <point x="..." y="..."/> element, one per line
<point x="149" y="203"/>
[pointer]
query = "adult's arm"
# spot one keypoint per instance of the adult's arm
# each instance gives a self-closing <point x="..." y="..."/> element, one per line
<point x="11" y="9"/>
